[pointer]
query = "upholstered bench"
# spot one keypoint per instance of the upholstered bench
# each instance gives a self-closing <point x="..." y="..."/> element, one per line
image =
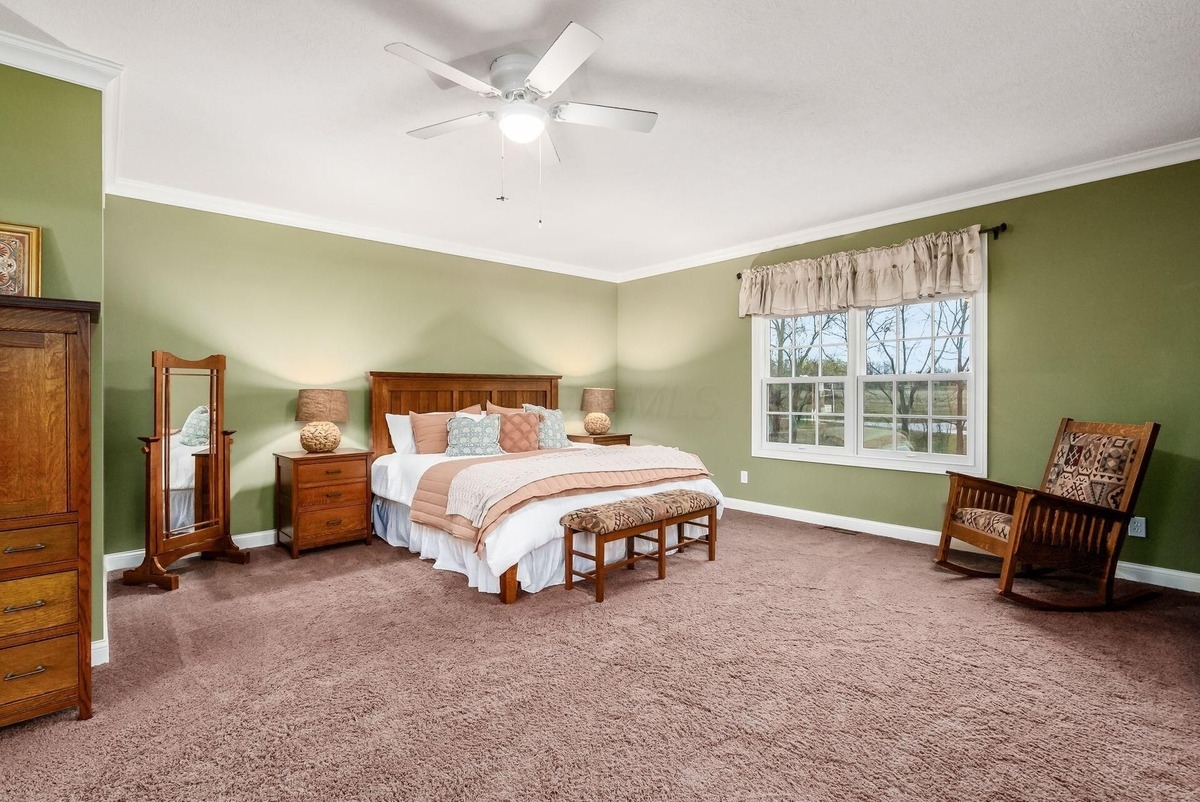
<point x="646" y="517"/>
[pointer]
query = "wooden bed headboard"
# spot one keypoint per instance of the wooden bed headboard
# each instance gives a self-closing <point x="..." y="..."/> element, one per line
<point x="401" y="393"/>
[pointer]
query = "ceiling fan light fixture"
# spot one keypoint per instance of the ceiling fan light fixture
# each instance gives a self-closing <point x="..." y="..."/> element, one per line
<point x="522" y="121"/>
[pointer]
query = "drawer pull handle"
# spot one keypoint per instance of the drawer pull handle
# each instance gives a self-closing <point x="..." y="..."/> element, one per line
<point x="9" y="677"/>
<point x="333" y="472"/>
<point x="18" y="549"/>
<point x="39" y="603"/>
<point x="333" y="495"/>
<point x="334" y="522"/>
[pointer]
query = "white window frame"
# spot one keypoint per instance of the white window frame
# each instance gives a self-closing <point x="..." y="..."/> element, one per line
<point x="973" y="463"/>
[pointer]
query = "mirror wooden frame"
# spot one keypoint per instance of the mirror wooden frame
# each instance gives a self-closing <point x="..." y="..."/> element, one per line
<point x="210" y="537"/>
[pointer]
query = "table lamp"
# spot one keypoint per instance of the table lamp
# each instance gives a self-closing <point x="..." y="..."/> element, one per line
<point x="322" y="410"/>
<point x="597" y="403"/>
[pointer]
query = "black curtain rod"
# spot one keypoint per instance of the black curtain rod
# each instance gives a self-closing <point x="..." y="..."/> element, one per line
<point x="995" y="231"/>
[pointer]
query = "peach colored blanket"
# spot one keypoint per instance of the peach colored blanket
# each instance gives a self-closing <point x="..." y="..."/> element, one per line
<point x="433" y="491"/>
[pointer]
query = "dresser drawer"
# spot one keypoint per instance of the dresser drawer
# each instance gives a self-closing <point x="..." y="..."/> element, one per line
<point x="333" y="495"/>
<point x="38" y="602"/>
<point x="331" y="471"/>
<point x="40" y="667"/>
<point x="317" y="525"/>
<point x="38" y="545"/>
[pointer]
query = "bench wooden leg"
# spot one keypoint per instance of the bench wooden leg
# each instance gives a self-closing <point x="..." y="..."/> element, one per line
<point x="662" y="551"/>
<point x="712" y="534"/>
<point x="629" y="552"/>
<point x="598" y="550"/>
<point x="568" y="557"/>
<point x="680" y="534"/>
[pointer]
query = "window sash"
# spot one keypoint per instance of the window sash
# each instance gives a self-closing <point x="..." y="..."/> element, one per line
<point x="854" y="451"/>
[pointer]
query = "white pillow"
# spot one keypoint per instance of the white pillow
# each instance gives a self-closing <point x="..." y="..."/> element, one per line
<point x="400" y="428"/>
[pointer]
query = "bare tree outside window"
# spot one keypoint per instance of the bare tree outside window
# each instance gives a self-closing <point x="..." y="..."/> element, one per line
<point x="913" y="378"/>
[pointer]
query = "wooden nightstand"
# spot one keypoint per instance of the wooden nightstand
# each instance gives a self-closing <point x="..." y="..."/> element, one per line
<point x="322" y="499"/>
<point x="601" y="439"/>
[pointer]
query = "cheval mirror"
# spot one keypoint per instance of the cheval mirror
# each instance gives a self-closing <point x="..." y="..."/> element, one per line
<point x="187" y="469"/>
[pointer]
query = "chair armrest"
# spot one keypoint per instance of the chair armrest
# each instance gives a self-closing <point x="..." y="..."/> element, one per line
<point x="973" y="491"/>
<point x="1040" y="498"/>
<point x="978" y="483"/>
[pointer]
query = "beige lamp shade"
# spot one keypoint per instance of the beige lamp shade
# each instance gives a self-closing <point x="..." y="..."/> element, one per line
<point x="597" y="402"/>
<point x="322" y="409"/>
<point x="598" y="399"/>
<point x="327" y="405"/>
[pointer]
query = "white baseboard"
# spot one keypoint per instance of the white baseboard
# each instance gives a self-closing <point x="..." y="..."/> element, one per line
<point x="1135" y="572"/>
<point x="131" y="559"/>
<point x="120" y="560"/>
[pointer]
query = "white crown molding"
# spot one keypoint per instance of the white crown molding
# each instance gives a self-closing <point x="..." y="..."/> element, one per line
<point x="1134" y="572"/>
<point x="110" y="111"/>
<point x="156" y="193"/>
<point x="56" y="62"/>
<point x="1138" y="162"/>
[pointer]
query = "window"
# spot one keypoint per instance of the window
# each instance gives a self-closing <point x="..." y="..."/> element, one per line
<point x="897" y="387"/>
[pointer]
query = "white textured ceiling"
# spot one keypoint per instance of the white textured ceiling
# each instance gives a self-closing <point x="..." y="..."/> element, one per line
<point x="774" y="115"/>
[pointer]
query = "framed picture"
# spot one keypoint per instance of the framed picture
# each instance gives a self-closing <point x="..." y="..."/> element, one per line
<point x="20" y="260"/>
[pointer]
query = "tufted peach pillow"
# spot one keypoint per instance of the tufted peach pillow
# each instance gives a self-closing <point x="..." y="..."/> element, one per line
<point x="519" y="431"/>
<point x="430" y="431"/>
<point x="496" y="409"/>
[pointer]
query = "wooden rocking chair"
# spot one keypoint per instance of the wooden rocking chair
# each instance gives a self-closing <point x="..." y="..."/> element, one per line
<point x="1077" y="521"/>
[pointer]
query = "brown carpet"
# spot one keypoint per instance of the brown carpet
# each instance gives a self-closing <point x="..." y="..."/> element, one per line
<point x="806" y="664"/>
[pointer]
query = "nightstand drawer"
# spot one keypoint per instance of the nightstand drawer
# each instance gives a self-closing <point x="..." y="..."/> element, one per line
<point x="332" y="495"/>
<point x="37" y="668"/>
<point x="314" y="525"/>
<point x="330" y="471"/>
<point x="38" y="545"/>
<point x="38" y="602"/>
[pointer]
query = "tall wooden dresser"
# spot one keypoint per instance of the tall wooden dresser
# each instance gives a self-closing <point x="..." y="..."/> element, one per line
<point x="45" y="507"/>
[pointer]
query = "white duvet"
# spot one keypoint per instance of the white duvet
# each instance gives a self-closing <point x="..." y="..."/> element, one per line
<point x="395" y="477"/>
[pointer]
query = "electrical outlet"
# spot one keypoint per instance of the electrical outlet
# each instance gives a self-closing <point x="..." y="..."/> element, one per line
<point x="745" y="477"/>
<point x="1137" y="527"/>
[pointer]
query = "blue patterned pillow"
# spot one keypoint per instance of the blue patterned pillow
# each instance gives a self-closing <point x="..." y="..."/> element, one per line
<point x="551" y="431"/>
<point x="195" y="428"/>
<point x="473" y="438"/>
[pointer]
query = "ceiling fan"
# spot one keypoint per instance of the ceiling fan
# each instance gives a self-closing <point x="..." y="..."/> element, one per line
<point x="522" y="81"/>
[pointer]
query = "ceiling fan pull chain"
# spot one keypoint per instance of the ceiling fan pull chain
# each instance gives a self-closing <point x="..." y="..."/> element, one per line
<point x="502" y="197"/>
<point x="540" y="182"/>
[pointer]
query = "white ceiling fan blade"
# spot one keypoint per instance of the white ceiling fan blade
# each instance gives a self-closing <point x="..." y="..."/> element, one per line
<point x="449" y="126"/>
<point x="604" y="116"/>
<point x="570" y="49"/>
<point x="428" y="62"/>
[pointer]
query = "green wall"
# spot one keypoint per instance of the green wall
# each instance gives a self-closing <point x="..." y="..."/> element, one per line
<point x="1094" y="307"/>
<point x="292" y="308"/>
<point x="50" y="136"/>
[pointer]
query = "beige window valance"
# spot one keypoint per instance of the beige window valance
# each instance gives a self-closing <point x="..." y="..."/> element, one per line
<point x="933" y="264"/>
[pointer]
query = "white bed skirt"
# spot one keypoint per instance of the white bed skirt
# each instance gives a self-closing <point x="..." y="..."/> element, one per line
<point x="539" y="569"/>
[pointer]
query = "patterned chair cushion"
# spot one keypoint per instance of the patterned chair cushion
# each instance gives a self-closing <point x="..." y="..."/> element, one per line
<point x="998" y="524"/>
<point x="605" y="518"/>
<point x="1092" y="468"/>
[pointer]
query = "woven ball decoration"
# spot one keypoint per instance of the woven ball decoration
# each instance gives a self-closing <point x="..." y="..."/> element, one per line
<point x="596" y="423"/>
<point x="320" y="436"/>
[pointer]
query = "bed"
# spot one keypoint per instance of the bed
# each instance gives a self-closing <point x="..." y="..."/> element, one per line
<point x="525" y="549"/>
<point x="182" y="500"/>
